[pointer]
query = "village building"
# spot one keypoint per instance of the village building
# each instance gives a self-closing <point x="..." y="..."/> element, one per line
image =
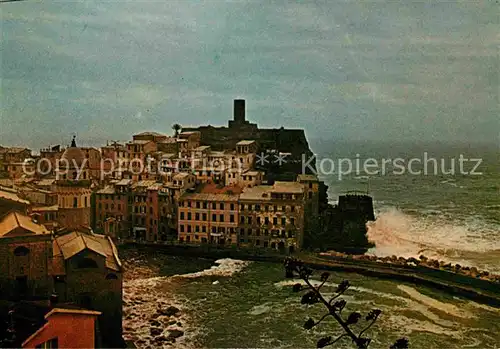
<point x="272" y="216"/>
<point x="209" y="215"/>
<point x="79" y="267"/>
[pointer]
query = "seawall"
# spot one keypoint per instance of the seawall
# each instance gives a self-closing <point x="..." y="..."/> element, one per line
<point x="475" y="289"/>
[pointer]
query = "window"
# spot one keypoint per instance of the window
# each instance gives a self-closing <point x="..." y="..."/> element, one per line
<point x="189" y="216"/>
<point x="85" y="201"/>
<point x="203" y="229"/>
<point x="182" y="215"/>
<point x="204" y="215"/>
<point x="266" y="244"/>
<point x="310" y="185"/>
<point x="189" y="228"/>
<point x="231" y="207"/>
<point x="221" y="218"/>
<point x="283" y="221"/>
<point x="292" y="221"/>
<point x="214" y="206"/>
<point x="242" y="219"/>
<point x="221" y="205"/>
<point x="197" y="229"/>
<point x="214" y="218"/>
<point x="182" y="228"/>
<point x="189" y="203"/>
<point x="257" y="208"/>
<point x="257" y="242"/>
<point x="275" y="220"/>
<point x="21" y="251"/>
<point x="310" y="195"/>
<point x="275" y="208"/>
<point x="258" y="220"/>
<point x="198" y="204"/>
<point x="75" y="203"/>
<point x="231" y="218"/>
<point x="196" y="216"/>
<point x="205" y="205"/>
<point x="266" y="220"/>
<point x="249" y="220"/>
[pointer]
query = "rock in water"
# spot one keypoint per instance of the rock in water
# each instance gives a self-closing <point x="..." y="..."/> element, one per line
<point x="169" y="311"/>
<point x="175" y="333"/>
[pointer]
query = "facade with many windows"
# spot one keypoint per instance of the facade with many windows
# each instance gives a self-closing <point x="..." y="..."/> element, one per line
<point x="208" y="218"/>
<point x="272" y="216"/>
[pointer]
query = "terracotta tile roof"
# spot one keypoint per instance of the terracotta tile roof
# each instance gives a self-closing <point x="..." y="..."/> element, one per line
<point x="12" y="196"/>
<point x="73" y="243"/>
<point x="17" y="220"/>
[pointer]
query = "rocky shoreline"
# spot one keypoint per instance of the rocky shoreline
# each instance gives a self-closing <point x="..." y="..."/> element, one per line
<point x="152" y="316"/>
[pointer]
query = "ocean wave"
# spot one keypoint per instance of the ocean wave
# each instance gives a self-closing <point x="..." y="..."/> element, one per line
<point x="397" y="233"/>
<point x="224" y="267"/>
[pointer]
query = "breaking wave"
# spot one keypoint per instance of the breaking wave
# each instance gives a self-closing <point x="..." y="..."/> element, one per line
<point x="472" y="244"/>
<point x="223" y="267"/>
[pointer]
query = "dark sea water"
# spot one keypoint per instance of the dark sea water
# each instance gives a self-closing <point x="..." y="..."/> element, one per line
<point x="453" y="217"/>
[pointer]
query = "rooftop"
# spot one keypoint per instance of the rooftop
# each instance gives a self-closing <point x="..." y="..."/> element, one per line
<point x="140" y="142"/>
<point x="149" y="133"/>
<point x="245" y="142"/>
<point x="15" y="220"/>
<point x="287" y="187"/>
<point x="202" y="148"/>
<point x="70" y="244"/>
<point x="256" y="193"/>
<point x="307" y="178"/>
<point x="45" y="208"/>
<point x="12" y="196"/>
<point x="124" y="182"/>
<point x="109" y="189"/>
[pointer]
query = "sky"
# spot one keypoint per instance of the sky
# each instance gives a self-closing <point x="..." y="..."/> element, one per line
<point x="361" y="70"/>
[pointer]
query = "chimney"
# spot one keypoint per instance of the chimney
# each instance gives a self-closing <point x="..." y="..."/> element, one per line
<point x="239" y="111"/>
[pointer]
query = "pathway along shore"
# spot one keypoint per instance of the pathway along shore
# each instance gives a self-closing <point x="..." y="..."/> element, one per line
<point x="474" y="288"/>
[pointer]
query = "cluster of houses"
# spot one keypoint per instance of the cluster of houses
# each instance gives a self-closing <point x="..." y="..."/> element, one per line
<point x="163" y="188"/>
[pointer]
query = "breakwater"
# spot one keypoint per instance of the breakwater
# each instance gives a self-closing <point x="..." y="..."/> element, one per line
<point x="476" y="289"/>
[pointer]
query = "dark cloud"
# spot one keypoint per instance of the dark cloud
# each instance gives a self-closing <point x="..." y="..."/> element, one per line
<point x="340" y="69"/>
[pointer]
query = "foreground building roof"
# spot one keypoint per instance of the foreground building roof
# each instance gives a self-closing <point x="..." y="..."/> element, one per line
<point x="14" y="220"/>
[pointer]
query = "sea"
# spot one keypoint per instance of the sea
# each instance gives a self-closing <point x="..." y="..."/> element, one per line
<point x="453" y="217"/>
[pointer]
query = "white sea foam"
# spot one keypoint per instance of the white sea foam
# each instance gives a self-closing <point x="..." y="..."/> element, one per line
<point x="396" y="233"/>
<point x="142" y="297"/>
<point x="224" y="267"/>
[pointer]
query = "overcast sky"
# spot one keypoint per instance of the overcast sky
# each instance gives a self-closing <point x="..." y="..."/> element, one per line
<point x="355" y="70"/>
